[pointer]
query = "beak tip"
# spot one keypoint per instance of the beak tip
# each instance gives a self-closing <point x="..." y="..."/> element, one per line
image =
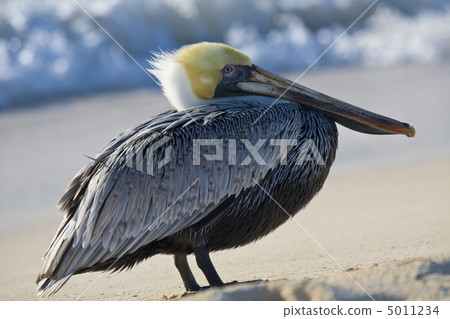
<point x="411" y="132"/>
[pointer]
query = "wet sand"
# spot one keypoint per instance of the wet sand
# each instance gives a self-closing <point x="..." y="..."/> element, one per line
<point x="384" y="211"/>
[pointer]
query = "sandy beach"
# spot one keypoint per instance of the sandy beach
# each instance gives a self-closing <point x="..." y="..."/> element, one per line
<point x="383" y="214"/>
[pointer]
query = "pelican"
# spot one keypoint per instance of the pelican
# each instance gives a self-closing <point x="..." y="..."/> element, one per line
<point x="244" y="151"/>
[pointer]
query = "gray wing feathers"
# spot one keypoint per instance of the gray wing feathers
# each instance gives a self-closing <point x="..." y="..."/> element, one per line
<point x="121" y="209"/>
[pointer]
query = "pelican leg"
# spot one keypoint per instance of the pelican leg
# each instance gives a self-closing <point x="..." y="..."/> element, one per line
<point x="205" y="264"/>
<point x="186" y="274"/>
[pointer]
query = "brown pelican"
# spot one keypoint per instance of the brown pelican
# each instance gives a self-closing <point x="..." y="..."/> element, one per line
<point x="224" y="170"/>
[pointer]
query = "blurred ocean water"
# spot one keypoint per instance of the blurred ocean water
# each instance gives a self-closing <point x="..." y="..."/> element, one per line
<point x="52" y="48"/>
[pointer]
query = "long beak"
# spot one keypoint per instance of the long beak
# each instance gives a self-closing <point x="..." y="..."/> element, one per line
<point x="262" y="82"/>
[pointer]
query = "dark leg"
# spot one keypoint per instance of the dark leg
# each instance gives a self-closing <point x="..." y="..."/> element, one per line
<point x="205" y="264"/>
<point x="186" y="274"/>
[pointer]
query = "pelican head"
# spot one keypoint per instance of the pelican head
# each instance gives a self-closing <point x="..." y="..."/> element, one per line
<point x="201" y="73"/>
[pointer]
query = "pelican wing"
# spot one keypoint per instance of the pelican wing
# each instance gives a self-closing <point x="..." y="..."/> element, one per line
<point x="149" y="182"/>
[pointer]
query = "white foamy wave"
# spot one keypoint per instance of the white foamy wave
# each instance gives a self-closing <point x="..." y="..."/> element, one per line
<point x="52" y="48"/>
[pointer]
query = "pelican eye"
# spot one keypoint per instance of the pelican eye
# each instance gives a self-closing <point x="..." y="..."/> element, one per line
<point x="228" y="69"/>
